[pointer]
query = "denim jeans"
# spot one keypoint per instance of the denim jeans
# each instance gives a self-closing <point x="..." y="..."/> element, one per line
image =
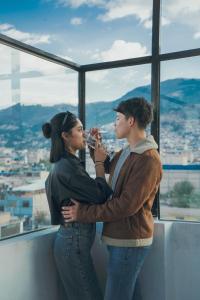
<point x="74" y="262"/>
<point x="124" y="267"/>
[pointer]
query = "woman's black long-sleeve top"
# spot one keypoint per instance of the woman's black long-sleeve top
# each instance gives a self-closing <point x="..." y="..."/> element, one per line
<point x="68" y="179"/>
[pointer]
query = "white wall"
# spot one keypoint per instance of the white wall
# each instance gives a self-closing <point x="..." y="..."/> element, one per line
<point x="27" y="270"/>
<point x="171" y="271"/>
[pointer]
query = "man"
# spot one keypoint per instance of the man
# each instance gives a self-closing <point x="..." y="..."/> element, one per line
<point x="135" y="175"/>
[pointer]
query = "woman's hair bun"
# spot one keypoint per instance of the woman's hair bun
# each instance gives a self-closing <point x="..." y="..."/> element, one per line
<point x="46" y="128"/>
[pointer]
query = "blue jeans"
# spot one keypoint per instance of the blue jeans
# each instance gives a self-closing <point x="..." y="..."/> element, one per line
<point x="124" y="267"/>
<point x="74" y="262"/>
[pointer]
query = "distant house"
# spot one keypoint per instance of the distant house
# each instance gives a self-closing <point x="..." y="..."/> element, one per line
<point x="28" y="201"/>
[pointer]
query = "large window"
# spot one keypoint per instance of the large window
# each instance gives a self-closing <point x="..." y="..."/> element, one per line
<point x="33" y="90"/>
<point x="180" y="139"/>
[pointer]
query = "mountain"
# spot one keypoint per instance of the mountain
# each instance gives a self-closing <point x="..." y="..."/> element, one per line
<point x="31" y="115"/>
<point x="179" y="97"/>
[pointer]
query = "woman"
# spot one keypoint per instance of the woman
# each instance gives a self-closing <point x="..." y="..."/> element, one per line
<point x="68" y="179"/>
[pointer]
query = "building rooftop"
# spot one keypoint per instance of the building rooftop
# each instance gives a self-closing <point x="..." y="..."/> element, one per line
<point x="37" y="185"/>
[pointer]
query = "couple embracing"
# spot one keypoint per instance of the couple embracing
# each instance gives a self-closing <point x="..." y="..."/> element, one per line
<point x="77" y="202"/>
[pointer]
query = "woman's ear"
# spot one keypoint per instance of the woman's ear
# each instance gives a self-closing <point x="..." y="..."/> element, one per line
<point x="64" y="136"/>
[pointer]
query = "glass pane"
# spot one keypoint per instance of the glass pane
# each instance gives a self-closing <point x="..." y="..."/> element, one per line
<point x="180" y="139"/>
<point x="84" y="31"/>
<point x="123" y="29"/>
<point x="34" y="90"/>
<point x="105" y="89"/>
<point x="5" y="78"/>
<point x="180" y="27"/>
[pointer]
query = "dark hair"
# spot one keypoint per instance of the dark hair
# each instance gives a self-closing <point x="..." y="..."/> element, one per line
<point x="139" y="108"/>
<point x="63" y="121"/>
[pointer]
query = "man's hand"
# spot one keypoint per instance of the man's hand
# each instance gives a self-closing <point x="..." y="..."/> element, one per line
<point x="70" y="212"/>
<point x="100" y="153"/>
<point x="96" y="134"/>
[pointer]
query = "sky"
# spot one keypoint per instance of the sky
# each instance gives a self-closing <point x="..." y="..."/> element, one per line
<point x="88" y="31"/>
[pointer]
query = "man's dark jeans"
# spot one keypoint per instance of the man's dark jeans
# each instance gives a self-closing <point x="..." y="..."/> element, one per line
<point x="124" y="267"/>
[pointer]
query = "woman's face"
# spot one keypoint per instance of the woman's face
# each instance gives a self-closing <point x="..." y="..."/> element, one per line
<point x="76" y="139"/>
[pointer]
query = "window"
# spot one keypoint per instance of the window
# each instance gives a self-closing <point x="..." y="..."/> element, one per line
<point x="106" y="30"/>
<point x="104" y="89"/>
<point x="180" y="139"/>
<point x="180" y="28"/>
<point x="33" y="91"/>
<point x="26" y="204"/>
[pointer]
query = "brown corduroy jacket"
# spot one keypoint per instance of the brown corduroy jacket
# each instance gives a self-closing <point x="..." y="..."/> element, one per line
<point x="127" y="217"/>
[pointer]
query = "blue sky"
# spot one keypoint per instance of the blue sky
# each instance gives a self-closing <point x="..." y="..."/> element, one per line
<point x="87" y="31"/>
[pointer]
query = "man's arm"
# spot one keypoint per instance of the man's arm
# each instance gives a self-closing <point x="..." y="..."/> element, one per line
<point x="143" y="181"/>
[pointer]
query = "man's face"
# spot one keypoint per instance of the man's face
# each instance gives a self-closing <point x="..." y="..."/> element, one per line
<point x="123" y="125"/>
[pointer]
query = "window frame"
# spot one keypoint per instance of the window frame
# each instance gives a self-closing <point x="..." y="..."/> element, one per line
<point x="154" y="60"/>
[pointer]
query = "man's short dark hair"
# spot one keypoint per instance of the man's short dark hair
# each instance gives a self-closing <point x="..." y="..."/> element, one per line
<point x="139" y="108"/>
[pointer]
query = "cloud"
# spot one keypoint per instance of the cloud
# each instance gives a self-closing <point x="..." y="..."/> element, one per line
<point x="197" y="35"/>
<point x="116" y="9"/>
<point x="165" y="21"/>
<point x="76" y="21"/>
<point x="181" y="7"/>
<point x="147" y="78"/>
<point x="121" y="49"/>
<point x="26" y="37"/>
<point x="5" y="26"/>
<point x="78" y="3"/>
<point x="97" y="76"/>
<point x="41" y="81"/>
<point x="30" y="63"/>
<point x="45" y="83"/>
<point x="148" y="23"/>
<point x="114" y="83"/>
<point x="5" y="59"/>
<point x="52" y="89"/>
<point x="183" y="12"/>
